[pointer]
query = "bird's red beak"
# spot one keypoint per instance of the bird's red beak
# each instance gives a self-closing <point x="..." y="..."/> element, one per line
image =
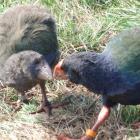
<point x="58" y="72"/>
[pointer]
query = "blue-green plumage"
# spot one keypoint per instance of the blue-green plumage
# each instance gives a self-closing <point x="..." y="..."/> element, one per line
<point x="124" y="49"/>
<point x="114" y="73"/>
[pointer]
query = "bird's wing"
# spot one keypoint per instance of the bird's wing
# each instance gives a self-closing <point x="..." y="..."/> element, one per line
<point x="124" y="50"/>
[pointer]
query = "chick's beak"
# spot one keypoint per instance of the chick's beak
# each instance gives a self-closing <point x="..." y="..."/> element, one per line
<point x="58" y="72"/>
<point x="45" y="73"/>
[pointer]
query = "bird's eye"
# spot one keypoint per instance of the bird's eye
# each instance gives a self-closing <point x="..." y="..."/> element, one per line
<point x="37" y="61"/>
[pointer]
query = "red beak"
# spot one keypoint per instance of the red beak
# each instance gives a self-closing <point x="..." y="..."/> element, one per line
<point x="58" y="72"/>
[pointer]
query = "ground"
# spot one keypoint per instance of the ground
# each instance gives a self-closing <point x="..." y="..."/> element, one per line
<point x="72" y="119"/>
<point x="81" y="25"/>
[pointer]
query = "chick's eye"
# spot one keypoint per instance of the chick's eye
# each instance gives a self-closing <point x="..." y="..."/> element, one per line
<point x="37" y="61"/>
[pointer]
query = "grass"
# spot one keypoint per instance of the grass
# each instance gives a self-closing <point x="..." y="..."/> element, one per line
<point x="81" y="25"/>
<point x="130" y="114"/>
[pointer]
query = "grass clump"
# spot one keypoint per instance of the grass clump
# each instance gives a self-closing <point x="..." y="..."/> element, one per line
<point x="130" y="114"/>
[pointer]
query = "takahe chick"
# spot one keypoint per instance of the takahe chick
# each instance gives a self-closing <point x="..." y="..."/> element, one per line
<point x="28" y="49"/>
<point x="114" y="73"/>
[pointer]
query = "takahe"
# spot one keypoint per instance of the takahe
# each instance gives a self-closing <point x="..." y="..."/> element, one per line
<point x="114" y="73"/>
<point x="28" y="49"/>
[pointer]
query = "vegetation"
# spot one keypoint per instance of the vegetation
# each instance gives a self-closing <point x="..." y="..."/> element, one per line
<point x="81" y="25"/>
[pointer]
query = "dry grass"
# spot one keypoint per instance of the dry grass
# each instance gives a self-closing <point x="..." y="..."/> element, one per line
<point x="24" y="131"/>
<point x="81" y="25"/>
<point x="72" y="119"/>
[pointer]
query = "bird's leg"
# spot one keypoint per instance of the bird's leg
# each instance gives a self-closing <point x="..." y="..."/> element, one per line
<point x="103" y="115"/>
<point x="46" y="105"/>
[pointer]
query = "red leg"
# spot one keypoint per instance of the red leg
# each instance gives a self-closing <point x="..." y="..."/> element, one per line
<point x="103" y="115"/>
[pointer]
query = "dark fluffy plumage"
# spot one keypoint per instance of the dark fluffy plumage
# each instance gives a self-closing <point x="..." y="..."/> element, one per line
<point x="25" y="28"/>
<point x="114" y="73"/>
<point x="23" y="70"/>
<point x="28" y="47"/>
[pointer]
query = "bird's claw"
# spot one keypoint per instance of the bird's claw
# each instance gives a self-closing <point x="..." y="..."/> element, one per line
<point x="136" y="125"/>
<point x="64" y="137"/>
<point x="48" y="108"/>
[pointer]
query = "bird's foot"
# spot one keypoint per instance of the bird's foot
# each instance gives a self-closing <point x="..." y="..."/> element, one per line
<point x="64" y="137"/>
<point x="136" y="125"/>
<point x="47" y="108"/>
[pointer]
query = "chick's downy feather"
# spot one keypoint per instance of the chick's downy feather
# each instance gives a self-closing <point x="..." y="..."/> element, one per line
<point x="28" y="28"/>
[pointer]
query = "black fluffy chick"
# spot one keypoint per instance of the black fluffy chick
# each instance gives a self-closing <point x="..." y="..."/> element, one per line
<point x="28" y="49"/>
<point x="114" y="73"/>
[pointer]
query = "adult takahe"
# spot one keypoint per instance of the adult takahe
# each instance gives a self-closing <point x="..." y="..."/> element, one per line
<point x="28" y="49"/>
<point x="114" y="73"/>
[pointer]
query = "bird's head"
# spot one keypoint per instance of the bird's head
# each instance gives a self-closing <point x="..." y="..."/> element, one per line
<point x="59" y="72"/>
<point x="76" y="67"/>
<point x="68" y="68"/>
<point x="28" y="65"/>
<point x="38" y="67"/>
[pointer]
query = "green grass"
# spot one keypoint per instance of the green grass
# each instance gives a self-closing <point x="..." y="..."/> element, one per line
<point x="130" y="114"/>
<point x="81" y="25"/>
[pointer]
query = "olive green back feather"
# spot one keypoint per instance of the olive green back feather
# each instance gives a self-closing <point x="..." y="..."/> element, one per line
<point x="124" y="50"/>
